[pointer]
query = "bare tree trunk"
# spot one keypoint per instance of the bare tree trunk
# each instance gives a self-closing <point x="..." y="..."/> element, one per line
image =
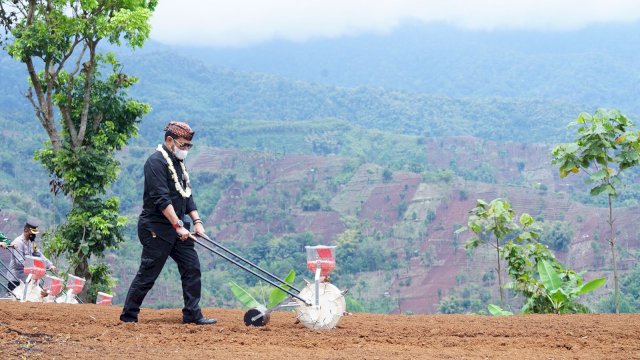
<point x="612" y="244"/>
<point x="499" y="273"/>
<point x="82" y="270"/>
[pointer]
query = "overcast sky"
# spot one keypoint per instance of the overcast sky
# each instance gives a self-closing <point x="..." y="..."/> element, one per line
<point x="247" y="22"/>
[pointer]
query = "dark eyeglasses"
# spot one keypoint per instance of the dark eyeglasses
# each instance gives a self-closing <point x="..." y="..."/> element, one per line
<point x="184" y="146"/>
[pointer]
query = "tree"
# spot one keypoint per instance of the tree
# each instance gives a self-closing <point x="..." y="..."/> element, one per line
<point x="629" y="294"/>
<point x="494" y="218"/>
<point x="58" y="40"/>
<point x="387" y="175"/>
<point x="311" y="202"/>
<point x="557" y="235"/>
<point x="547" y="286"/>
<point x="605" y="146"/>
<point x="556" y="290"/>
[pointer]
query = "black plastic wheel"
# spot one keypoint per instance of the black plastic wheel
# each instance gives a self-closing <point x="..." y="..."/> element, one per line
<point x="256" y="317"/>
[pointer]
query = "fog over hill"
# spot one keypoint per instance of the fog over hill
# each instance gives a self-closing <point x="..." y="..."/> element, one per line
<point x="596" y="66"/>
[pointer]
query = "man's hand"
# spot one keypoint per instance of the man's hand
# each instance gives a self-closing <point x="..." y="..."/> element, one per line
<point x="3" y="245"/>
<point x="53" y="268"/>
<point x="183" y="233"/>
<point x="199" y="228"/>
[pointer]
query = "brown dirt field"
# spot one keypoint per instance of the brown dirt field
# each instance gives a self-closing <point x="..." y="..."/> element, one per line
<point x="57" y="331"/>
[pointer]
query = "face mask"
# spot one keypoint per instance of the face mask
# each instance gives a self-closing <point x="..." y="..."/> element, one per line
<point x="179" y="153"/>
<point x="32" y="237"/>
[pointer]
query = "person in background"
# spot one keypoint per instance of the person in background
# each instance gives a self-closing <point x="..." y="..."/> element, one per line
<point x="22" y="246"/>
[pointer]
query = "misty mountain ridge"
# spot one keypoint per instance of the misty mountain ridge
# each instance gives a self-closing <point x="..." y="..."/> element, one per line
<point x="596" y="66"/>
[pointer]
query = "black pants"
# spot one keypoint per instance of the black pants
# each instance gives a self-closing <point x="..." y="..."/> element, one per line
<point x="155" y="251"/>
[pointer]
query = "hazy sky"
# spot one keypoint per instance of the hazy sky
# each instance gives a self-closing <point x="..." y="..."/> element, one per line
<point x="245" y="22"/>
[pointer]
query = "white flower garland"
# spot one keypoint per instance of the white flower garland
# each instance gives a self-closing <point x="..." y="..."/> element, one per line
<point x="174" y="174"/>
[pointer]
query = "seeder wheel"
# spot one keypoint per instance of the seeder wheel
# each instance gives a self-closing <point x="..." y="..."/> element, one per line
<point x="327" y="313"/>
<point x="257" y="316"/>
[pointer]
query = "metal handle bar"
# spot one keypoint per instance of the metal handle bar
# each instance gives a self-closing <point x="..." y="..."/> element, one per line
<point x="9" y="271"/>
<point x="7" y="287"/>
<point x="261" y="277"/>
<point x="217" y="244"/>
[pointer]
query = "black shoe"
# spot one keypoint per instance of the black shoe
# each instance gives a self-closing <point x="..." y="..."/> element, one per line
<point x="202" y="321"/>
<point x="128" y="320"/>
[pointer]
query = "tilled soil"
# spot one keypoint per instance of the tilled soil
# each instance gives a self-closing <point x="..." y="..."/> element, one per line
<point x="60" y="331"/>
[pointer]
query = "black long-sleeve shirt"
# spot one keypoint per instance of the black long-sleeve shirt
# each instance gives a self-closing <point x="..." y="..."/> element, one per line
<point x="160" y="191"/>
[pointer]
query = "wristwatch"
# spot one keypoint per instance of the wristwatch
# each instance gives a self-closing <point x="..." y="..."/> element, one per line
<point x="177" y="225"/>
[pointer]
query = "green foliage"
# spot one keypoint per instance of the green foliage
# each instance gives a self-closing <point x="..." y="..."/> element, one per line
<point x="441" y="175"/>
<point x="358" y="252"/>
<point x="276" y="296"/>
<point x="494" y="218"/>
<point x="469" y="301"/>
<point x="604" y="148"/>
<point x="93" y="224"/>
<point x="497" y="219"/>
<point x="450" y="305"/>
<point x="96" y="117"/>
<point x="562" y="292"/>
<point x="557" y="289"/>
<point x="541" y="279"/>
<point x="101" y="281"/>
<point x="496" y="310"/>
<point x="557" y="235"/>
<point x="243" y="296"/>
<point x="629" y="294"/>
<point x="354" y="305"/>
<point x="387" y="175"/>
<point x="94" y="20"/>
<point x="324" y="143"/>
<point x="277" y="255"/>
<point x="606" y="145"/>
<point x="4" y="239"/>
<point x="402" y="207"/>
<point x="521" y="258"/>
<point x="311" y="202"/>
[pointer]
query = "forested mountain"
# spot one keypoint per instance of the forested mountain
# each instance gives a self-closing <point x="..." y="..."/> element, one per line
<point x="178" y="87"/>
<point x="379" y="145"/>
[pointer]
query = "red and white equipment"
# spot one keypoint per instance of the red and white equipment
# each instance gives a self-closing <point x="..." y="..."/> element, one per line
<point x="104" y="299"/>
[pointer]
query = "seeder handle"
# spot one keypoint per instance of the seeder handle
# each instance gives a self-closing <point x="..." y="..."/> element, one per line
<point x="7" y="287"/>
<point x="9" y="271"/>
<point x="250" y="271"/>
<point x="217" y="244"/>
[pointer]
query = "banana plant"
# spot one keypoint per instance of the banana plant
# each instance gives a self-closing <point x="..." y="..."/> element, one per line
<point x="276" y="296"/>
<point x="562" y="293"/>
<point x="496" y="310"/>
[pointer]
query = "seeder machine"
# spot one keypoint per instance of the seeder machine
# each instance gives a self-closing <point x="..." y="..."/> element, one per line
<point x="40" y="286"/>
<point x="319" y="305"/>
